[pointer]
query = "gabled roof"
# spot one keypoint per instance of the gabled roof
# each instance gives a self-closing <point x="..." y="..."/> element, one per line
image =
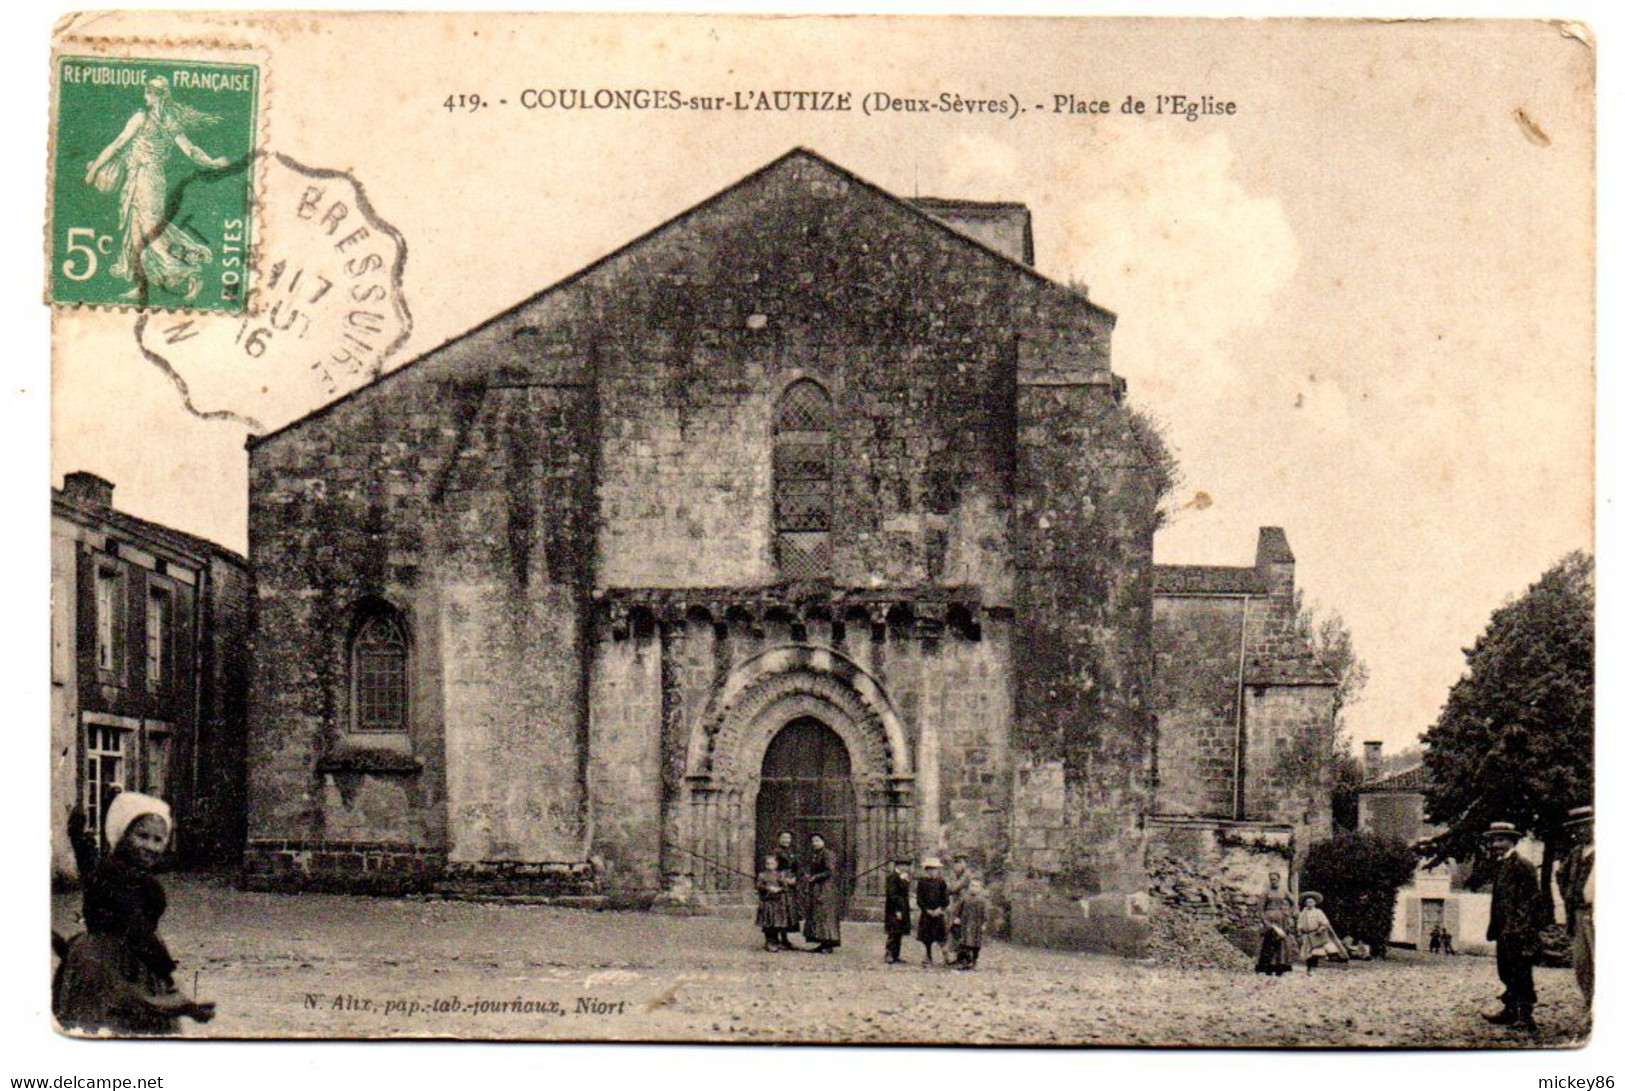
<point x="1208" y="579"/>
<point x="168" y="537"/>
<point x="1414" y="779"/>
<point x="924" y="217"/>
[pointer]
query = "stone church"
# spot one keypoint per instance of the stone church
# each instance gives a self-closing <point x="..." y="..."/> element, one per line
<point x="812" y="509"/>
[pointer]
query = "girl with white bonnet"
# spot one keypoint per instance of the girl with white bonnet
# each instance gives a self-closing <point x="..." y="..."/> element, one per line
<point x="117" y="975"/>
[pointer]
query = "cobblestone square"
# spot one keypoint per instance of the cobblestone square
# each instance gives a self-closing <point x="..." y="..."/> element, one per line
<point x="332" y="966"/>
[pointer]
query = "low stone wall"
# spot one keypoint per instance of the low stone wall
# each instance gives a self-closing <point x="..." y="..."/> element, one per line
<point x="343" y="867"/>
<point x="512" y="878"/>
<point x="1110" y="923"/>
<point x="371" y="867"/>
<point x="1217" y="870"/>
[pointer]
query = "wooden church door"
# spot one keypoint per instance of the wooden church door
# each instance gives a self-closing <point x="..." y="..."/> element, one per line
<point x="807" y="789"/>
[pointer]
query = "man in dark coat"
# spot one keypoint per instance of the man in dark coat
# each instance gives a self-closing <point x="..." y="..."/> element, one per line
<point x="1579" y="887"/>
<point x="899" y="918"/>
<point x="1517" y="915"/>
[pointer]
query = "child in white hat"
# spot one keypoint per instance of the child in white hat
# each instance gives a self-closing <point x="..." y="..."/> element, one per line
<point x="117" y="975"/>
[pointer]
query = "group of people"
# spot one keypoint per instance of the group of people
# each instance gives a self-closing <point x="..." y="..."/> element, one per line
<point x="953" y="912"/>
<point x="117" y="975"/>
<point x="1520" y="912"/>
<point x="1295" y="930"/>
<point x="795" y="895"/>
<point x="803" y="896"/>
<point x="1440" y="941"/>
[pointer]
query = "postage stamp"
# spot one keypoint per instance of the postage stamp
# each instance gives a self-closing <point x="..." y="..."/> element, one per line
<point x="151" y="199"/>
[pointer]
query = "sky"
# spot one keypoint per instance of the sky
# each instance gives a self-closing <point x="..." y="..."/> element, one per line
<point x="1362" y="305"/>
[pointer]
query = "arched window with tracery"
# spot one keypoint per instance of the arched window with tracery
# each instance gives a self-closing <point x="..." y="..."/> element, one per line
<point x="378" y="680"/>
<point x="803" y="433"/>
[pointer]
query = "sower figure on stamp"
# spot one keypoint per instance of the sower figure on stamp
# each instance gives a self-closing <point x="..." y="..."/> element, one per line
<point x="1517" y="915"/>
<point x="898" y="915"/>
<point x="823" y="882"/>
<point x="150" y="249"/>
<point x="1577" y="880"/>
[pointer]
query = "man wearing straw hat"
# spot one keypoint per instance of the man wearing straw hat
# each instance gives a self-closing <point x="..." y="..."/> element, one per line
<point x="1578" y="885"/>
<point x="1516" y="919"/>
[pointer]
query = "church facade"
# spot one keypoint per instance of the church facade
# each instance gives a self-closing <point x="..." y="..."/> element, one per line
<point x="813" y="509"/>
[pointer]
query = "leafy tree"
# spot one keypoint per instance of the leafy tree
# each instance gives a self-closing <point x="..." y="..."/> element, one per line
<point x="1152" y="436"/>
<point x="1359" y="874"/>
<point x="1515" y="740"/>
<point x="1348" y="773"/>
<point x="1328" y="634"/>
<point x="1333" y="644"/>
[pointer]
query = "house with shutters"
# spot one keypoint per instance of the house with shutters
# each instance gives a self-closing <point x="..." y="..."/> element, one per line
<point x="149" y="673"/>
<point x="1393" y="803"/>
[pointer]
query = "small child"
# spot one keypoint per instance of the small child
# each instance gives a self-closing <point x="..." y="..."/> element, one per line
<point x="1318" y="938"/>
<point x="775" y="910"/>
<point x="897" y="911"/>
<point x="958" y="878"/>
<point x="117" y="975"/>
<point x="931" y="895"/>
<point x="971" y="923"/>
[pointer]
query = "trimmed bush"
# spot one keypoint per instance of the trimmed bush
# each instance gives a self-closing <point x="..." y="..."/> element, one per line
<point x="1359" y="874"/>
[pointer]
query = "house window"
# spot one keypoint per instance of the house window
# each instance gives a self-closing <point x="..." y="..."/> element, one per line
<point x="108" y="601"/>
<point x="378" y="670"/>
<point x="802" y="477"/>
<point x="156" y="762"/>
<point x="105" y="771"/>
<point x="159" y="614"/>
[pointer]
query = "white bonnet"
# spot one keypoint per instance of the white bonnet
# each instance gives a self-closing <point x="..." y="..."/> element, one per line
<point x="129" y="806"/>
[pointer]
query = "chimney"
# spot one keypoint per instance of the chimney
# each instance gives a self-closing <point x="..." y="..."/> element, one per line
<point x="1274" y="559"/>
<point x="1373" y="760"/>
<point x="88" y="489"/>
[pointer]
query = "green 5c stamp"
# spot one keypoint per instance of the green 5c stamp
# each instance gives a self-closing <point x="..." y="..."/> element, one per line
<point x="151" y="202"/>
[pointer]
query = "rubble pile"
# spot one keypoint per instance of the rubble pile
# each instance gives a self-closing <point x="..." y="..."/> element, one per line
<point x="1190" y="942"/>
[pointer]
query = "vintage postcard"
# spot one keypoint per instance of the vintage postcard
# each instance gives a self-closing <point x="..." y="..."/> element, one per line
<point x="846" y="530"/>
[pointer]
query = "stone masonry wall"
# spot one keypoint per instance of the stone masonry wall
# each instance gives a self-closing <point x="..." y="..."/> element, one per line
<point x="1290" y="734"/>
<point x="1211" y="626"/>
<point x="459" y="490"/>
<point x="653" y="683"/>
<point x="1083" y="737"/>
<point x="460" y="498"/>
<point x="1198" y="663"/>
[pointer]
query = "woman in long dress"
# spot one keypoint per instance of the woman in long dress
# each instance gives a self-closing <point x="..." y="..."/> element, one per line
<point x="1275" y="931"/>
<point x="150" y="249"/>
<point x="823" y="893"/>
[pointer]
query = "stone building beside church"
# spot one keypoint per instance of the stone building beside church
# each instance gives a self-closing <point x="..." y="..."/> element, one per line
<point x="813" y="508"/>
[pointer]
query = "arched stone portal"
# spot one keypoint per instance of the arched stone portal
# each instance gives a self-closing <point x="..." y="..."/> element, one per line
<point x="763" y="696"/>
<point x="807" y="789"/>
